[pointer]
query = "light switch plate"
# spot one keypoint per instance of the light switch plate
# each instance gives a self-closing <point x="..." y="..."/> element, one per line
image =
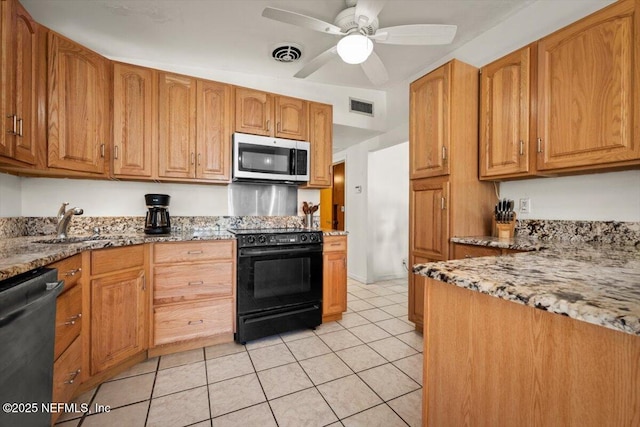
<point x="525" y="206"/>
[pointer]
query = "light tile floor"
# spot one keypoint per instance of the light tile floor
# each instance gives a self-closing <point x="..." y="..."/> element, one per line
<point x="364" y="370"/>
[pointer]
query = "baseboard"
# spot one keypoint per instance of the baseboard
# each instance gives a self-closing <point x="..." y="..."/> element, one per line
<point x="358" y="278"/>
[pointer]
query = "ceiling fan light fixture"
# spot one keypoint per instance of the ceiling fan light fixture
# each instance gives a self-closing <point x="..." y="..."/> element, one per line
<point x="355" y="48"/>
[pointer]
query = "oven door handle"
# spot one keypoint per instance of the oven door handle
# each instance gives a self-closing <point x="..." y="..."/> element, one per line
<point x="247" y="252"/>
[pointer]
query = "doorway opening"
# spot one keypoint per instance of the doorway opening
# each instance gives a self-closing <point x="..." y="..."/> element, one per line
<point x="332" y="208"/>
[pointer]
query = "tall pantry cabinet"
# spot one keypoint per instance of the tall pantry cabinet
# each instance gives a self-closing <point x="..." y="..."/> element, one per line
<point x="446" y="198"/>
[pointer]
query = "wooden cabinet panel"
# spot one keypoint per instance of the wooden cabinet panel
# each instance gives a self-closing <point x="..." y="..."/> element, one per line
<point x="291" y="118"/>
<point x="334" y="273"/>
<point x="321" y="140"/>
<point x="78" y="107"/>
<point x="177" y="126"/>
<point x="505" y="115"/>
<point x="214" y="115"/>
<point x="253" y="112"/>
<point x="184" y="282"/>
<point x="118" y="303"/>
<point x="416" y="293"/>
<point x="193" y="251"/>
<point x="69" y="270"/>
<point x="587" y="86"/>
<point x="334" y="244"/>
<point x="134" y="94"/>
<point x="429" y="220"/>
<point x="114" y="259"/>
<point x="429" y="124"/>
<point x="181" y="322"/>
<point x="471" y="251"/>
<point x="67" y="373"/>
<point x="7" y="140"/>
<point x="68" y="318"/>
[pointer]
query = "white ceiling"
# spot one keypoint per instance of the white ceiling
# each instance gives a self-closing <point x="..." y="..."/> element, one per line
<point x="232" y="36"/>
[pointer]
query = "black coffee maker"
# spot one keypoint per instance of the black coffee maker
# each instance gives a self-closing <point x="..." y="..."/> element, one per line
<point x="157" y="221"/>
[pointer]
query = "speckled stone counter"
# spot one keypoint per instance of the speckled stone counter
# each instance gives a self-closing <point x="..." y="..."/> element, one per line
<point x="593" y="282"/>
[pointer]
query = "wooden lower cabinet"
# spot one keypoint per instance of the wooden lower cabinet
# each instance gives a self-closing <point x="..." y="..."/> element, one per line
<point x="118" y="308"/>
<point x="461" y="251"/>
<point x="193" y="294"/>
<point x="67" y="374"/>
<point x="334" y="273"/>
<point x="500" y="363"/>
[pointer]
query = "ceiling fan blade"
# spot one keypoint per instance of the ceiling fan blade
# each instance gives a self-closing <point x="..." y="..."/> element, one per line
<point x="418" y="34"/>
<point x="367" y="11"/>
<point x="300" y="20"/>
<point x="375" y="70"/>
<point x="317" y="62"/>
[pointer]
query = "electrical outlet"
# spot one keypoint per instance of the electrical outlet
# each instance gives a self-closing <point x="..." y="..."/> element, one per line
<point x="525" y="206"/>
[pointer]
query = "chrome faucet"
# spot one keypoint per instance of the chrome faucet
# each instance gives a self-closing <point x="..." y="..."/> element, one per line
<point x="64" y="217"/>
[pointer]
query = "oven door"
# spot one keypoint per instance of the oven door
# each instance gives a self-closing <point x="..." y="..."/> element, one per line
<point x="275" y="277"/>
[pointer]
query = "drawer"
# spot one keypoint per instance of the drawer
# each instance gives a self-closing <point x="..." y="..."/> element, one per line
<point x="334" y="244"/>
<point x="68" y="318"/>
<point x="193" y="251"/>
<point x="175" y="283"/>
<point x="67" y="374"/>
<point x="69" y="270"/>
<point x="472" y="251"/>
<point x="181" y="322"/>
<point x="107" y="260"/>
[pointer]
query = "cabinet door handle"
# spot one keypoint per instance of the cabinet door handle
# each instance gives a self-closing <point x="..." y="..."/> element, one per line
<point x="539" y="145"/>
<point x="73" y="272"/>
<point x="72" y="377"/>
<point x="199" y="159"/>
<point x="72" y="319"/>
<point x="15" y="124"/>
<point x="144" y="283"/>
<point x="193" y="158"/>
<point x="102" y="150"/>
<point x="115" y="152"/>
<point x="444" y="153"/>
<point x="196" y="322"/>
<point x="442" y="203"/>
<point x="20" y="127"/>
<point x="195" y="252"/>
<point x="521" y="147"/>
<point x="199" y="282"/>
<point x="268" y="125"/>
<point x="278" y="126"/>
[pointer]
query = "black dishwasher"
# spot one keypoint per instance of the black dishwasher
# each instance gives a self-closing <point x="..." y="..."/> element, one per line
<point x="27" y="334"/>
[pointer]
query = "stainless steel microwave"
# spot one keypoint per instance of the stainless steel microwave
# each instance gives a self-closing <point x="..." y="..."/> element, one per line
<point x="261" y="158"/>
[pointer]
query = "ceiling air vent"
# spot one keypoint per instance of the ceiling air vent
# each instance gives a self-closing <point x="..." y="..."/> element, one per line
<point x="286" y="52"/>
<point x="361" y="107"/>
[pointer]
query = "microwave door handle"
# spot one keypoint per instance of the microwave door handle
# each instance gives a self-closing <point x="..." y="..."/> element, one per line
<point x="293" y="160"/>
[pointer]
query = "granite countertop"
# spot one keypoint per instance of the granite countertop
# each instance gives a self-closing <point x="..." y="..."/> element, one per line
<point x="21" y="254"/>
<point x="593" y="282"/>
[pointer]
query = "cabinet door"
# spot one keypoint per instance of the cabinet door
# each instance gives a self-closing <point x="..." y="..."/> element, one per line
<point x="7" y="140"/>
<point x="589" y="74"/>
<point x="291" y="118"/>
<point x="334" y="290"/>
<point x="254" y="112"/>
<point x="214" y="112"/>
<point x="177" y="126"/>
<point x="321" y="140"/>
<point x="417" y="285"/>
<point x="429" y="124"/>
<point x="504" y="115"/>
<point x="118" y="316"/>
<point x="133" y="121"/>
<point x="429" y="218"/>
<point x="78" y="107"/>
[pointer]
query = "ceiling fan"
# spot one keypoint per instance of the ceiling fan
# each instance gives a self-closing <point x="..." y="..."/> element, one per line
<point x="358" y="26"/>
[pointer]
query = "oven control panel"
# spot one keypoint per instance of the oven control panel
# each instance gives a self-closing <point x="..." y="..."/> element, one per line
<point x="279" y="239"/>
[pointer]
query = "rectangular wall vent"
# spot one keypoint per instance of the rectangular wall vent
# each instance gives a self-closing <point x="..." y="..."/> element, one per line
<point x="361" y="107"/>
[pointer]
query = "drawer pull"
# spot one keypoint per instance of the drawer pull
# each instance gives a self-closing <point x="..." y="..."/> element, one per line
<point x="195" y="252"/>
<point x="72" y="377"/>
<point x="334" y="244"/>
<point x="467" y="256"/>
<point x="73" y="272"/>
<point x="199" y="282"/>
<point x="72" y="319"/>
<point x="196" y="322"/>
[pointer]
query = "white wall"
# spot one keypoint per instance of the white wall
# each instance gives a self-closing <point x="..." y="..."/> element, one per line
<point x="388" y="208"/>
<point x="10" y="195"/>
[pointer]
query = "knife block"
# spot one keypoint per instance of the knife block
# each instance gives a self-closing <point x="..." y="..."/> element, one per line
<point x="504" y="230"/>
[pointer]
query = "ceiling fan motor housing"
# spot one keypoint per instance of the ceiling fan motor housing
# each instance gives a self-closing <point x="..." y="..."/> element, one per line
<point x="346" y="20"/>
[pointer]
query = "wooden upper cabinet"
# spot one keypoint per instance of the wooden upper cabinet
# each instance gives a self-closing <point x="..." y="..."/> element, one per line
<point x="78" y="107"/>
<point x="588" y="89"/>
<point x="177" y="125"/>
<point x="214" y="115"/>
<point x="321" y="140"/>
<point x="19" y="57"/>
<point x="254" y="112"/>
<point x="429" y="124"/>
<point x="505" y="115"/>
<point x="291" y="118"/>
<point x="134" y="94"/>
